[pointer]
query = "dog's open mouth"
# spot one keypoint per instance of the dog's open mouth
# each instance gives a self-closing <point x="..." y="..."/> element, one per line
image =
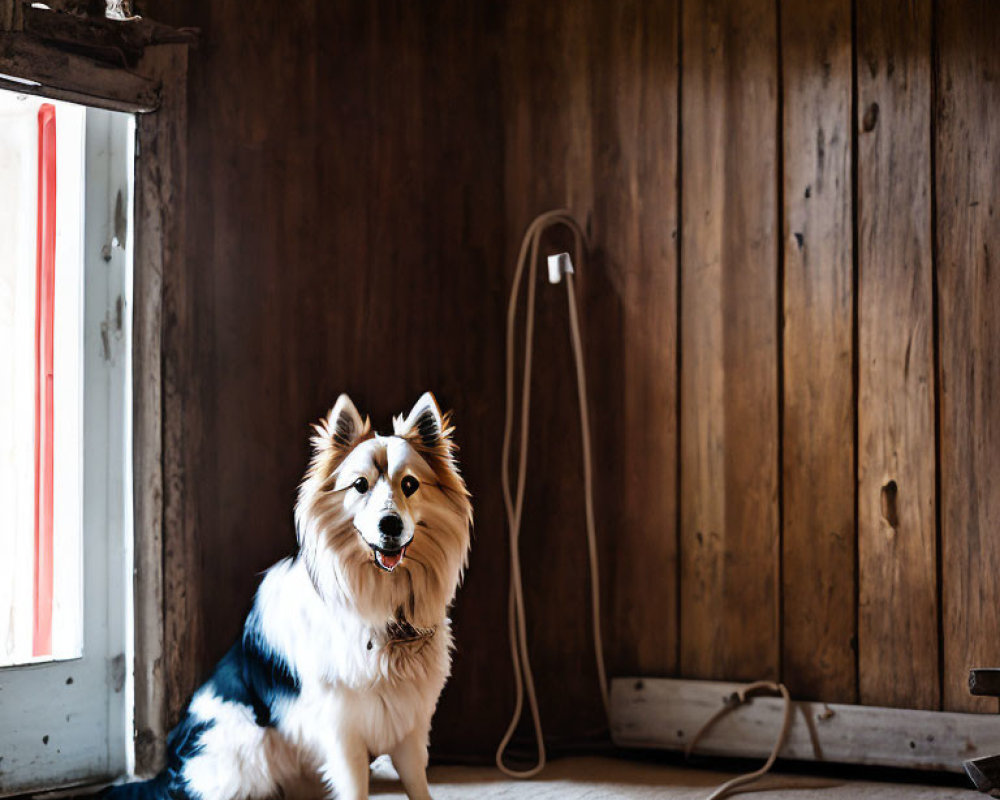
<point x="389" y="559"/>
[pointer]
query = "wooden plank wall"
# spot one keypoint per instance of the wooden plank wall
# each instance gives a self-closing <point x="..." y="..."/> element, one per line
<point x="967" y="185"/>
<point x="789" y="314"/>
<point x="729" y="354"/>
<point x="590" y="119"/>
<point x="817" y="469"/>
<point x="345" y="234"/>
<point x="896" y="500"/>
<point x="548" y="125"/>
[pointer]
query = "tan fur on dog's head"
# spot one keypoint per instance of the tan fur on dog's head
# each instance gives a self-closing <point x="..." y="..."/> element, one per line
<point x="383" y="521"/>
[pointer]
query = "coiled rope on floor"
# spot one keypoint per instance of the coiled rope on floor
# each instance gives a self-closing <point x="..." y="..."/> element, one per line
<point x="740" y="698"/>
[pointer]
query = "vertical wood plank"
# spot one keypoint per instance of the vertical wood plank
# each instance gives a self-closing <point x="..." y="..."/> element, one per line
<point x="898" y="622"/>
<point x="818" y="544"/>
<point x="729" y="404"/>
<point x="183" y="642"/>
<point x="968" y="235"/>
<point x="11" y="15"/>
<point x="549" y="63"/>
<point x="462" y="80"/>
<point x="635" y="233"/>
<point x="160" y="180"/>
<point x="590" y="100"/>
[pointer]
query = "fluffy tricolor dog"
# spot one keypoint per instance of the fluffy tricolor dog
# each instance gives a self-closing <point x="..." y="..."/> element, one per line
<point x="347" y="646"/>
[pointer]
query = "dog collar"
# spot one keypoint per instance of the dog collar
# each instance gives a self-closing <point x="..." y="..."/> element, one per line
<point x="400" y="631"/>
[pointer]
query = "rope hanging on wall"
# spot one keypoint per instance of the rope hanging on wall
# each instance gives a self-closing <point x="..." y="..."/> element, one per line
<point x="524" y="683"/>
<point x="561" y="267"/>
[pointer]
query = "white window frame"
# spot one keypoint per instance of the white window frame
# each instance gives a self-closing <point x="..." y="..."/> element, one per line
<point x="67" y="722"/>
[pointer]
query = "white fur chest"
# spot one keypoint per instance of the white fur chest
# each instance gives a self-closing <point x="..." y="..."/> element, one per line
<point x="388" y="692"/>
<point x="354" y="681"/>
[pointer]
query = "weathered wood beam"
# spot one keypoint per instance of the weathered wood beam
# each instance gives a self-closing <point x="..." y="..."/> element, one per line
<point x="662" y="713"/>
<point x="119" y="42"/>
<point x="56" y="73"/>
<point x="159" y="273"/>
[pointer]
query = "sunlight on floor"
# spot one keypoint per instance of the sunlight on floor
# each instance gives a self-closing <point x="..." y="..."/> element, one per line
<point x="613" y="779"/>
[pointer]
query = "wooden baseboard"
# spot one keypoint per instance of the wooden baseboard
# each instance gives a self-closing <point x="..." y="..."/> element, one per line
<point x="665" y="714"/>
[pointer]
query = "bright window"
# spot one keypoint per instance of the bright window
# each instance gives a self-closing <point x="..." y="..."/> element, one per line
<point x="40" y="372"/>
<point x="65" y="276"/>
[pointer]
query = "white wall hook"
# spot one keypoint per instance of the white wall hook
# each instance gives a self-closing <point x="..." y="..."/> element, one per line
<point x="559" y="264"/>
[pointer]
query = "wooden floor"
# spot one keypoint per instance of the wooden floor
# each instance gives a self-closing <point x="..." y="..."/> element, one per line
<point x="614" y="779"/>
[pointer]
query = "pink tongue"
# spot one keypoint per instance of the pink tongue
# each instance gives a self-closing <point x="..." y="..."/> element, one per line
<point x="390" y="561"/>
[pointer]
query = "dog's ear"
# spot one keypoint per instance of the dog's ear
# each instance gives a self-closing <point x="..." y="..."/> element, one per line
<point x="424" y="424"/>
<point x="341" y="428"/>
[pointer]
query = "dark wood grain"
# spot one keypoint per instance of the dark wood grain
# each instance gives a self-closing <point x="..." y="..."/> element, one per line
<point x="182" y="375"/>
<point x="729" y="350"/>
<point x="343" y="235"/>
<point x="818" y="545"/>
<point x="634" y="379"/>
<point x="118" y="43"/>
<point x="360" y="176"/>
<point x="11" y="15"/>
<point x="74" y="77"/>
<point x="590" y="105"/>
<point x="549" y="68"/>
<point x="967" y="185"/>
<point x="897" y="540"/>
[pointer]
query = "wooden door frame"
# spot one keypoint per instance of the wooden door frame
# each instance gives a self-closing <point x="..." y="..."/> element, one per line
<point x="162" y="539"/>
<point x="155" y="89"/>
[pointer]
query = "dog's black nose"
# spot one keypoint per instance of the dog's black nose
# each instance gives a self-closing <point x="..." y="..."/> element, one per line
<point x="390" y="526"/>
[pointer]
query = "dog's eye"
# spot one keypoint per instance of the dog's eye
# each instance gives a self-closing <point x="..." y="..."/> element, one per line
<point x="361" y="485"/>
<point x="409" y="485"/>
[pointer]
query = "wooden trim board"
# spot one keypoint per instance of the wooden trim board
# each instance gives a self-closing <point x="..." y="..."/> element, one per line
<point x="664" y="713"/>
<point x="161" y="163"/>
<point x="43" y="69"/>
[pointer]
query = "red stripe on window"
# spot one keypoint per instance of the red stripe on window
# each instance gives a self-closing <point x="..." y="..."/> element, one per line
<point x="45" y="284"/>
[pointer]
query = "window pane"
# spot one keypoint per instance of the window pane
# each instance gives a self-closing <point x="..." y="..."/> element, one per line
<point x="30" y="585"/>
